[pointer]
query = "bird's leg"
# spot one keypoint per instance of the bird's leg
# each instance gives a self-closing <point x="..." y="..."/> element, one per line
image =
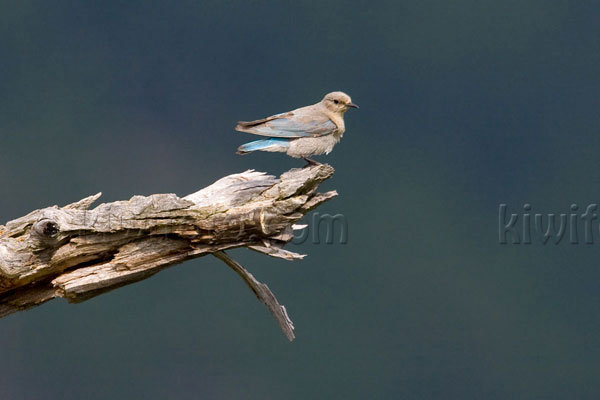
<point x="310" y="161"/>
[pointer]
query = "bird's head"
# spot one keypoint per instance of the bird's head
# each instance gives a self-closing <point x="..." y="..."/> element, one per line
<point x="338" y="102"/>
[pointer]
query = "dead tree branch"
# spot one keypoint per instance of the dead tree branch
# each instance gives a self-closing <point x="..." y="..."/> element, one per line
<point x="77" y="253"/>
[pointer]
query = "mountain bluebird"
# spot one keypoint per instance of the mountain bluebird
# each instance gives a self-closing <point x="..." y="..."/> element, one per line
<point x="303" y="132"/>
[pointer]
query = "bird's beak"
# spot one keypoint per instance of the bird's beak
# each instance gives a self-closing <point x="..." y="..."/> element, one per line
<point x="352" y="105"/>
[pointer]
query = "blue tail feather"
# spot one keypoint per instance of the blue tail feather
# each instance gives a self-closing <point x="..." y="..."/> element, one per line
<point x="272" y="144"/>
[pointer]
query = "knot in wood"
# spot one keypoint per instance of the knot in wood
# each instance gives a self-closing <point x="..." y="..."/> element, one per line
<point x="46" y="228"/>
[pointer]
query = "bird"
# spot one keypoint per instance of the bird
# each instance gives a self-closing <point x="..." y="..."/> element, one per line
<point x="303" y="132"/>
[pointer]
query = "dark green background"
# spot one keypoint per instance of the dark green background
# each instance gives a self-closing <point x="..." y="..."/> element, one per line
<point x="464" y="105"/>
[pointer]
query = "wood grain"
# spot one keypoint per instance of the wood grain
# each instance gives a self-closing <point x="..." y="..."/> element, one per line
<point x="77" y="253"/>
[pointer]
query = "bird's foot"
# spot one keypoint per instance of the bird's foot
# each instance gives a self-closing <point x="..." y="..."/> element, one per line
<point x="310" y="162"/>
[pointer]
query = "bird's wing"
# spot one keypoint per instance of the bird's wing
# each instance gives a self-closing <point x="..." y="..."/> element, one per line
<point x="289" y="125"/>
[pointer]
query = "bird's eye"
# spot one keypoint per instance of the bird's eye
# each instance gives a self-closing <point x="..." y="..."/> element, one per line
<point x="336" y="102"/>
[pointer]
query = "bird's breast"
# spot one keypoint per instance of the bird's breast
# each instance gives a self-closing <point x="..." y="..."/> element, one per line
<point x="338" y="120"/>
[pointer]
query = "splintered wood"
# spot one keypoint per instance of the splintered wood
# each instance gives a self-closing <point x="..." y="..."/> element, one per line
<point x="77" y="252"/>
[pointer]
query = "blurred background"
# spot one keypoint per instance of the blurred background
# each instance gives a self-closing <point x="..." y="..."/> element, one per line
<point x="464" y="105"/>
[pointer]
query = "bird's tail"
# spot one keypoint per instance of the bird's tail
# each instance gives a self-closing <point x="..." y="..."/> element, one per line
<point x="272" y="144"/>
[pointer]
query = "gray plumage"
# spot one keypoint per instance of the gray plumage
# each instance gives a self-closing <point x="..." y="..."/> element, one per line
<point x="301" y="133"/>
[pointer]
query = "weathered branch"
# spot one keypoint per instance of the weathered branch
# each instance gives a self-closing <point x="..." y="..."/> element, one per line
<point x="77" y="253"/>
<point x="263" y="293"/>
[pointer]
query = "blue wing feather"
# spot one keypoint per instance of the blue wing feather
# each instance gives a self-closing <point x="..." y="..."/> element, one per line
<point x="289" y="127"/>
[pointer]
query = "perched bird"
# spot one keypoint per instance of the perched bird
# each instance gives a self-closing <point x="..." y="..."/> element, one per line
<point x="301" y="133"/>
